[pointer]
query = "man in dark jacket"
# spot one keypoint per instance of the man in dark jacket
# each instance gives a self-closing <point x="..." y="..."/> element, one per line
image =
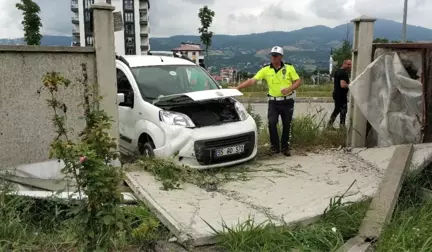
<point x="340" y="93"/>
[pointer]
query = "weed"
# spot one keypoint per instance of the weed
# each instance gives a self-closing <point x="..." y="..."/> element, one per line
<point x="146" y="229"/>
<point x="308" y="132"/>
<point x="304" y="90"/>
<point x="99" y="220"/>
<point x="257" y="118"/>
<point x="328" y="234"/>
<point x="173" y="175"/>
<point x="33" y="225"/>
<point x="410" y="228"/>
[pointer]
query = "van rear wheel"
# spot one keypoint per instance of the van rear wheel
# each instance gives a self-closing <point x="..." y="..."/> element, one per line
<point x="146" y="149"/>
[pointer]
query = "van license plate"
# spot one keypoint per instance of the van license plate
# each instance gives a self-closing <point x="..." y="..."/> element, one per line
<point x="237" y="149"/>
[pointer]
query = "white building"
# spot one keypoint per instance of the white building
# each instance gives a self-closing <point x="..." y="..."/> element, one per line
<point x="132" y="40"/>
<point x="228" y="74"/>
<point x="331" y="61"/>
<point x="191" y="50"/>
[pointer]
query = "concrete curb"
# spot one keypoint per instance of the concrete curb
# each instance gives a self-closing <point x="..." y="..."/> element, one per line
<point x="298" y="99"/>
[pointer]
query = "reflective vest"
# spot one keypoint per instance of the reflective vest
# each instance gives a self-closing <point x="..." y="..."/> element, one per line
<point x="277" y="79"/>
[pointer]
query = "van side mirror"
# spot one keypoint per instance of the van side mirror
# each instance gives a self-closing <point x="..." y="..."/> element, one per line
<point x="120" y="98"/>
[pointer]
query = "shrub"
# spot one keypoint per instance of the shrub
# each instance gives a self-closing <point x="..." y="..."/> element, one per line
<point x="99" y="220"/>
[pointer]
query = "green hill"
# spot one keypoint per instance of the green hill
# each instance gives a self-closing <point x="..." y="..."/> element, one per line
<point x="307" y="47"/>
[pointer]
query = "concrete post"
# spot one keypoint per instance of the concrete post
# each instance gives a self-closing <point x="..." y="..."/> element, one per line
<point x="103" y="32"/>
<point x="361" y="58"/>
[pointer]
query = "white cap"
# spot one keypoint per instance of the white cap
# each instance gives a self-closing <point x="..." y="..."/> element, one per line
<point x="277" y="49"/>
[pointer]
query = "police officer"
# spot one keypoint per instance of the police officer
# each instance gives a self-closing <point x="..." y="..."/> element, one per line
<point x="282" y="80"/>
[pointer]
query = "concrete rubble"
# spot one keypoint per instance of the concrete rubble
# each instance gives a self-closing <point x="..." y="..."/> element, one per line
<point x="44" y="180"/>
<point x="281" y="190"/>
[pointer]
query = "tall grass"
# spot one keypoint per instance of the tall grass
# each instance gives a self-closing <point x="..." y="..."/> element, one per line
<point x="410" y="228"/>
<point x="307" y="132"/>
<point x="328" y="234"/>
<point x="260" y="90"/>
<point x="34" y="225"/>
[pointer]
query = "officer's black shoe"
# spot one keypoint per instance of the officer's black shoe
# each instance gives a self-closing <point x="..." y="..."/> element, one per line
<point x="286" y="153"/>
<point x="273" y="151"/>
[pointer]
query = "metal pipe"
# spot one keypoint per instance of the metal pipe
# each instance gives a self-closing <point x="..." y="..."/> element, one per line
<point x="404" y="20"/>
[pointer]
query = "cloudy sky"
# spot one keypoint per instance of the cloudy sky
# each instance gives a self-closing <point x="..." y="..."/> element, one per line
<point x="173" y="17"/>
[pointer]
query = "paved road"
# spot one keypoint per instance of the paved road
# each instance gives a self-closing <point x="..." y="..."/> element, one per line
<point x="321" y="110"/>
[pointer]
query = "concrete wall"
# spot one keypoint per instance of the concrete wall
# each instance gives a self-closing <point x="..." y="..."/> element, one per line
<point x="26" y="128"/>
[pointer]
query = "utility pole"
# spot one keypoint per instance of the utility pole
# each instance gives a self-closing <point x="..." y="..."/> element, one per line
<point x="404" y="25"/>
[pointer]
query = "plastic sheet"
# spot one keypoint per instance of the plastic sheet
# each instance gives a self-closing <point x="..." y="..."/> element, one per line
<point x="390" y="100"/>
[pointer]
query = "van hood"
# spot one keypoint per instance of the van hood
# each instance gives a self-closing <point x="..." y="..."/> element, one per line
<point x="213" y="94"/>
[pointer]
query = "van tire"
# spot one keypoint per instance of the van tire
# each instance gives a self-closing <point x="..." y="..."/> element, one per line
<point x="146" y="150"/>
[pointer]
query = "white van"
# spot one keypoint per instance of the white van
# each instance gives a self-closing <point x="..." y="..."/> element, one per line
<point x="171" y="108"/>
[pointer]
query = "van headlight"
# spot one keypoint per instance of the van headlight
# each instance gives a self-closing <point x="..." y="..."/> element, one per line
<point x="177" y="119"/>
<point x="241" y="111"/>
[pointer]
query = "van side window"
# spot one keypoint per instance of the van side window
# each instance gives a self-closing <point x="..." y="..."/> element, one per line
<point x="124" y="86"/>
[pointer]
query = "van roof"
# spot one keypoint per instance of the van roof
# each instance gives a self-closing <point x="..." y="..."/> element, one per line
<point x="154" y="60"/>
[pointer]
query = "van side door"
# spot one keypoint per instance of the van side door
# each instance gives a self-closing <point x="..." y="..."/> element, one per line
<point x="125" y="109"/>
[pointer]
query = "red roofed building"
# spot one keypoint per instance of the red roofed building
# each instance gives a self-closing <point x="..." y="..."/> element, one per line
<point x="217" y="77"/>
<point x="191" y="50"/>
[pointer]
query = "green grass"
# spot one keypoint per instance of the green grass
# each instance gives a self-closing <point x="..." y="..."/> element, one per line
<point x="327" y="234"/>
<point x="324" y="90"/>
<point x="34" y="225"/>
<point x="309" y="133"/>
<point x="173" y="176"/>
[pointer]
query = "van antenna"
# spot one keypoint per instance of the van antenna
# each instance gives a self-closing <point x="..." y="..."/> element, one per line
<point x="161" y="59"/>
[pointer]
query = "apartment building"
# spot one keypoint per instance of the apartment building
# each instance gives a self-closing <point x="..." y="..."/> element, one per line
<point x="132" y="40"/>
<point x="228" y="74"/>
<point x="191" y="50"/>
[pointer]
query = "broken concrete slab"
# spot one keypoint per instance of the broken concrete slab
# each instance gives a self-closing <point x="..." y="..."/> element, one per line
<point x="42" y="184"/>
<point x="50" y="169"/>
<point x="127" y="197"/>
<point x="383" y="204"/>
<point x="281" y="190"/>
<point x="380" y="157"/>
<point x="45" y="180"/>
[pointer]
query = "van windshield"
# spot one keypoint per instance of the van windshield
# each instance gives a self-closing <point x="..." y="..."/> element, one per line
<point x="156" y="81"/>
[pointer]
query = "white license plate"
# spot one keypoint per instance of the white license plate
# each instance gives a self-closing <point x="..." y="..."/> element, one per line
<point x="237" y="149"/>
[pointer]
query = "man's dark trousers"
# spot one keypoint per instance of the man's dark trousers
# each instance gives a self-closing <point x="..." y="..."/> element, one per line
<point x="341" y="107"/>
<point x="284" y="109"/>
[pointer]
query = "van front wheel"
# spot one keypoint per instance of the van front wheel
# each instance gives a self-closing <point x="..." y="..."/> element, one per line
<point x="146" y="149"/>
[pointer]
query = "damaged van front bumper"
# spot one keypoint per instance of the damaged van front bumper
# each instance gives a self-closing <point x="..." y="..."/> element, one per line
<point x="212" y="146"/>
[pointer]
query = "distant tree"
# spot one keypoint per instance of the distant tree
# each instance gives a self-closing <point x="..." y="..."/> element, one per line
<point x="384" y="40"/>
<point x="242" y="75"/>
<point x="206" y="17"/>
<point x="31" y="22"/>
<point x="381" y="40"/>
<point x="321" y="71"/>
<point x="342" y="53"/>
